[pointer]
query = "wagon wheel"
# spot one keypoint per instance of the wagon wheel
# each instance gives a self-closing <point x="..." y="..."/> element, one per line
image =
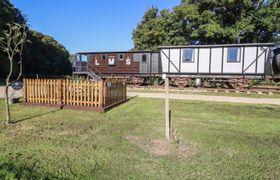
<point x="206" y="83"/>
<point x="235" y="85"/>
<point x="181" y="82"/>
<point x="136" y="81"/>
<point x="248" y="83"/>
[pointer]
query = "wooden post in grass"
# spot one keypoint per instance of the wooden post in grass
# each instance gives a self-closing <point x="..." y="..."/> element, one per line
<point x="167" y="111"/>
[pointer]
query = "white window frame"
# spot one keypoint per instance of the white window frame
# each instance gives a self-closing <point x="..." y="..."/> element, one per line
<point x="192" y="58"/>
<point x="238" y="55"/>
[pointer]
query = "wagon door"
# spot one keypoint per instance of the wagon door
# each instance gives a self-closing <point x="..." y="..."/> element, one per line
<point x="144" y="63"/>
<point x="155" y="63"/>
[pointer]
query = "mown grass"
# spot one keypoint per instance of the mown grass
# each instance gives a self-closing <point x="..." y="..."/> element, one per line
<point x="209" y="93"/>
<point x="233" y="141"/>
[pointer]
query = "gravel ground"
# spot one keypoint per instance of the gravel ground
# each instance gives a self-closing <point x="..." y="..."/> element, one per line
<point x="2" y="92"/>
<point x="271" y="101"/>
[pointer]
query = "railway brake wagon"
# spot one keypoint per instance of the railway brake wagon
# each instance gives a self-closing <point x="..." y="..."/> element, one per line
<point x="135" y="65"/>
<point x="231" y="62"/>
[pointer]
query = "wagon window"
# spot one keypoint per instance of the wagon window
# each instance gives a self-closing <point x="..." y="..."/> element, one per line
<point x="84" y="58"/>
<point x="121" y="57"/>
<point x="103" y="57"/>
<point x="188" y="55"/>
<point x="144" y="58"/>
<point x="233" y="54"/>
<point x="90" y="58"/>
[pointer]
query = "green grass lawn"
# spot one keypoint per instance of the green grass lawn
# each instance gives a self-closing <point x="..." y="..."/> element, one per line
<point x="211" y="93"/>
<point x="233" y="141"/>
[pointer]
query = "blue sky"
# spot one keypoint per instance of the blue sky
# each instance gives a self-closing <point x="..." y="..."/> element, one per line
<point x="89" y="25"/>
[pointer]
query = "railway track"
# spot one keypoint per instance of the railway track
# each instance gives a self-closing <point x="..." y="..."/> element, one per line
<point x="273" y="89"/>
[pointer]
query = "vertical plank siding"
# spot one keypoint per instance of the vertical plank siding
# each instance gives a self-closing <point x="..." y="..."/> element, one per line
<point x="115" y="91"/>
<point x="81" y="93"/>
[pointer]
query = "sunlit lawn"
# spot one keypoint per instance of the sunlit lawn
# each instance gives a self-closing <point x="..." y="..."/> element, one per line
<point x="233" y="141"/>
<point x="211" y="93"/>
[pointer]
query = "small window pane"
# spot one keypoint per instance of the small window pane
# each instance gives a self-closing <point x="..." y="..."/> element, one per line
<point x="233" y="54"/>
<point x="188" y="55"/>
<point x="144" y="58"/>
<point x="104" y="57"/>
<point x="84" y="58"/>
<point x="121" y="57"/>
<point x="90" y="58"/>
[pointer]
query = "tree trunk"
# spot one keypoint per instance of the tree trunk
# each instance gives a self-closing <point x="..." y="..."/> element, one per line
<point x="12" y="44"/>
<point x="8" y="114"/>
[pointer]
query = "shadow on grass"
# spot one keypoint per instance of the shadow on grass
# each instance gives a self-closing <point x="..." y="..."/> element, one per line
<point x="10" y="170"/>
<point x="35" y="116"/>
<point x="108" y="108"/>
<point x="273" y="108"/>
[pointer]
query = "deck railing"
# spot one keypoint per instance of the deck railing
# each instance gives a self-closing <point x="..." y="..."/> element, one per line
<point x="78" y="94"/>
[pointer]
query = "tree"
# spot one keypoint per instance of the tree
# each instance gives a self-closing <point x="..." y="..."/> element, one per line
<point x="210" y="22"/>
<point x="12" y="44"/>
<point x="146" y="36"/>
<point x="8" y="14"/>
<point x="44" y="56"/>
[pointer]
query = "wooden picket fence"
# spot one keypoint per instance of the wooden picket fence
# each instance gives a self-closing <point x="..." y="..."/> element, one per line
<point x="115" y="91"/>
<point x="75" y="94"/>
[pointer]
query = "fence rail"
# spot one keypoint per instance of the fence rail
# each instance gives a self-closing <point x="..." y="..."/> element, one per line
<point x="81" y="94"/>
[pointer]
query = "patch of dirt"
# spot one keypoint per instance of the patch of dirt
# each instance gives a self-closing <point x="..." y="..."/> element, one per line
<point x="66" y="133"/>
<point x="17" y="129"/>
<point x="162" y="147"/>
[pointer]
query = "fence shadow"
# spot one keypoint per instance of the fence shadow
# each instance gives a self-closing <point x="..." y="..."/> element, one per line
<point x="35" y="116"/>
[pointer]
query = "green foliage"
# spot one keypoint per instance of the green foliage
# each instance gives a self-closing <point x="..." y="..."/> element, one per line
<point x="153" y="80"/>
<point x="8" y="14"/>
<point x="209" y="22"/>
<point x="43" y="56"/>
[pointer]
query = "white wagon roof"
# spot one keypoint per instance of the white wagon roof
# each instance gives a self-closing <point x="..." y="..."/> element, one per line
<point x="217" y="45"/>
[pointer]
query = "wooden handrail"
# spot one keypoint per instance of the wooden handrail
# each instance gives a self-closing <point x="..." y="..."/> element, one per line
<point x="94" y="69"/>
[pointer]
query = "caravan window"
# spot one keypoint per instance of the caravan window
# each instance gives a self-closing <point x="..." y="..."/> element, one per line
<point x="144" y="58"/>
<point x="233" y="55"/>
<point x="188" y="55"/>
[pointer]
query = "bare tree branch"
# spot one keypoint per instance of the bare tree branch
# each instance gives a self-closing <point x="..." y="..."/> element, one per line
<point x="20" y="51"/>
<point x="12" y="44"/>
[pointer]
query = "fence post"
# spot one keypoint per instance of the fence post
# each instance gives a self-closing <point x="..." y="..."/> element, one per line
<point x="125" y="89"/>
<point x="25" y="89"/>
<point x="104" y="92"/>
<point x="59" y="92"/>
<point x="101" y="92"/>
<point x="167" y="110"/>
